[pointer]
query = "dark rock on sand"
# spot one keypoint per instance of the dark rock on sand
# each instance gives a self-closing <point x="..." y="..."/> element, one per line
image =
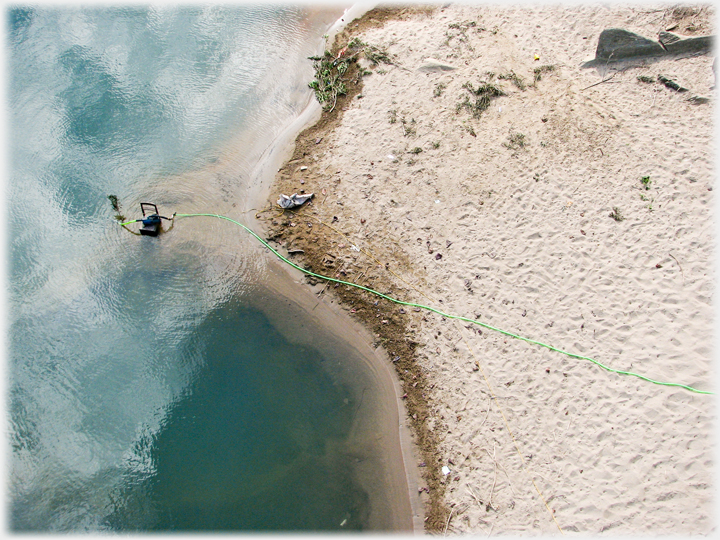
<point x="616" y="44"/>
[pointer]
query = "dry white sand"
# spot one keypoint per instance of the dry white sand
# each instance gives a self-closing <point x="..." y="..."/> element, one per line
<point x="528" y="245"/>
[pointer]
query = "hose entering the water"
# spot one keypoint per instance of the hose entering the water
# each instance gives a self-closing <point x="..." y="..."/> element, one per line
<point x="449" y="316"/>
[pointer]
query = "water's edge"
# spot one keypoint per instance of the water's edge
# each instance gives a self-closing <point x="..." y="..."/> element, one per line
<point x="289" y="283"/>
<point x="186" y="382"/>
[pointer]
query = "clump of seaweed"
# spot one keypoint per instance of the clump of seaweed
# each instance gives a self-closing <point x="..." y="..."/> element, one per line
<point x="463" y="26"/>
<point x="377" y="56"/>
<point x="459" y="31"/>
<point x="481" y="98"/>
<point x="374" y="54"/>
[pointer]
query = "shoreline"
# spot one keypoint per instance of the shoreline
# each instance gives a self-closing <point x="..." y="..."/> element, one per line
<point x="503" y="217"/>
<point x="355" y="334"/>
<point x="385" y="424"/>
<point x="280" y="148"/>
<point x="389" y="331"/>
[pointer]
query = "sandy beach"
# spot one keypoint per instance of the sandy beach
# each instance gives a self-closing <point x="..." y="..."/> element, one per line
<point x="576" y="210"/>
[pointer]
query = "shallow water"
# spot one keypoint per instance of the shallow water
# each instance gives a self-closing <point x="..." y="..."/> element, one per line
<point x="150" y="386"/>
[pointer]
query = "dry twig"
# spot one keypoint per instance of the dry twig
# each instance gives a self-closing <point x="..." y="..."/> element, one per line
<point x="678" y="263"/>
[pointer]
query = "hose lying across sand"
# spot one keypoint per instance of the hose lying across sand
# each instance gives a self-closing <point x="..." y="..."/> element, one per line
<point x="449" y="316"/>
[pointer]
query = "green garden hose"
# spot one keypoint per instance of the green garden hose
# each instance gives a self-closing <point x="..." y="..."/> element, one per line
<point x="449" y="316"/>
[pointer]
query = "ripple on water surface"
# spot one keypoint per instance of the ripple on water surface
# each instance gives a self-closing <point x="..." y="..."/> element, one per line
<point x="145" y="393"/>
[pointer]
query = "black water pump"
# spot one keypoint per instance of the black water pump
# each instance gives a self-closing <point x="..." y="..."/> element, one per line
<point x="151" y="221"/>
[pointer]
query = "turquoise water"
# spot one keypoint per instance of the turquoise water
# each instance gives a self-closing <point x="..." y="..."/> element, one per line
<point x="260" y="430"/>
<point x="148" y="388"/>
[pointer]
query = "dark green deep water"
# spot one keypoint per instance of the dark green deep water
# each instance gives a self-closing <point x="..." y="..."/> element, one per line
<point x="258" y="442"/>
<point x="145" y="392"/>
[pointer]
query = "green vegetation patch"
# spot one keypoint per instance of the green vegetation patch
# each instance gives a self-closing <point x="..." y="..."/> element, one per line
<point x="481" y="98"/>
<point x="516" y="141"/>
<point x="514" y="78"/>
<point x="329" y="82"/>
<point x="538" y="71"/>
<point x="116" y="206"/>
<point x="616" y="214"/>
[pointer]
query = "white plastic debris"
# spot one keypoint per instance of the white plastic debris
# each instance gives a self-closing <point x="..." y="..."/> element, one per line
<point x="294" y="200"/>
<point x="355" y="248"/>
<point x="445" y="470"/>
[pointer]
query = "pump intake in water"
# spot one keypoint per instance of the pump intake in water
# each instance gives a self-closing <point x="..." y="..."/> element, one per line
<point x="151" y="220"/>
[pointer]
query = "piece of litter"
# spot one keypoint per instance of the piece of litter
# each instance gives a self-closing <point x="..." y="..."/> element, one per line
<point x="499" y="109"/>
<point x="391" y="157"/>
<point x="437" y="201"/>
<point x="355" y="248"/>
<point x="445" y="470"/>
<point x="303" y="168"/>
<point x="344" y="521"/>
<point x="294" y="200"/>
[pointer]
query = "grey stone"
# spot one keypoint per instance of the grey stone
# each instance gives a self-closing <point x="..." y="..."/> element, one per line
<point x="616" y="44"/>
<point x="666" y="38"/>
<point x="696" y="45"/>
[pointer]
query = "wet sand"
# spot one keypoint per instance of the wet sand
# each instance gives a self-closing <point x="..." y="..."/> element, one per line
<point x="387" y="464"/>
<point x="383" y="433"/>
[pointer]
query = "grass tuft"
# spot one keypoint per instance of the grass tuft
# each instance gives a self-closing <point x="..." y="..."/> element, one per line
<point x="481" y="98"/>
<point x="408" y="128"/>
<point x="516" y="141"/>
<point x="538" y="71"/>
<point x="616" y="215"/>
<point x="514" y="78"/>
